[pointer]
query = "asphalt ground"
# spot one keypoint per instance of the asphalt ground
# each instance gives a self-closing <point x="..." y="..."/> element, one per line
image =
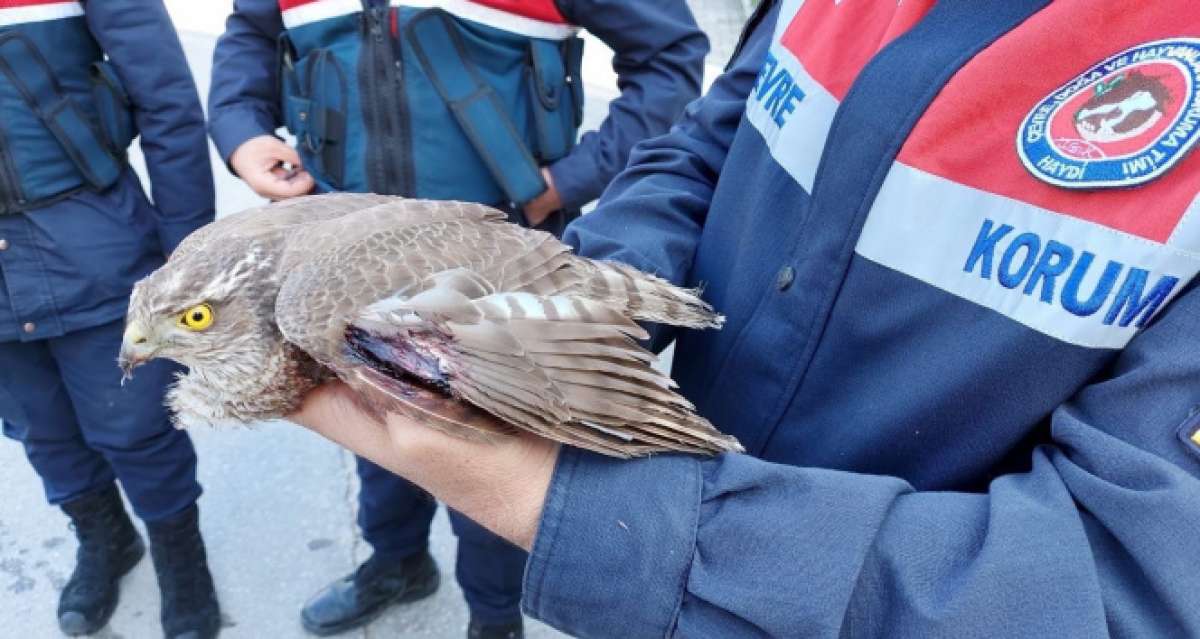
<point x="278" y="512"/>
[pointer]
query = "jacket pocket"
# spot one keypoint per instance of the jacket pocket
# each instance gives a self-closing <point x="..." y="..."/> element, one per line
<point x="553" y="97"/>
<point x="315" y="108"/>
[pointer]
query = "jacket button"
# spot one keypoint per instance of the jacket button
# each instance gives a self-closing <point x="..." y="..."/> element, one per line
<point x="3" y="245"/>
<point x="785" y="278"/>
<point x="29" y="327"/>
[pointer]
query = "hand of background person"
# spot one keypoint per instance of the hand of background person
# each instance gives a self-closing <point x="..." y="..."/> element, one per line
<point x="502" y="485"/>
<point x="540" y="207"/>
<point x="260" y="162"/>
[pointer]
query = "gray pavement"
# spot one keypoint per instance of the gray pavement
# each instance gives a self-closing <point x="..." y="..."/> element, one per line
<point x="278" y="512"/>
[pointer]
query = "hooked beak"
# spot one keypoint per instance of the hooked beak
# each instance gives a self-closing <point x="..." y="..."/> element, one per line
<point x="136" y="349"/>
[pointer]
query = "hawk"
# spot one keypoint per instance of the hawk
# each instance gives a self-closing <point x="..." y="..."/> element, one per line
<point x="442" y="311"/>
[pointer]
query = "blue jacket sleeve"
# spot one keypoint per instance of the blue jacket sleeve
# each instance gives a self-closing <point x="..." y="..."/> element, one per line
<point x="243" y="101"/>
<point x="660" y="65"/>
<point x="142" y="45"/>
<point x="1097" y="538"/>
<point x="666" y="190"/>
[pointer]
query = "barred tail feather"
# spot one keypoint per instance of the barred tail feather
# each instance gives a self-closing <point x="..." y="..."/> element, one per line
<point x="651" y="298"/>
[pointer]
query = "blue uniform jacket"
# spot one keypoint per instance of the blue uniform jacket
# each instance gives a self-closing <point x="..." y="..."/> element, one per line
<point x="72" y="264"/>
<point x="659" y="64"/>
<point x="968" y="388"/>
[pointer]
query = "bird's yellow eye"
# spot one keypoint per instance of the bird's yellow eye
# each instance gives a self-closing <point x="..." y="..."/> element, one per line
<point x="197" y="318"/>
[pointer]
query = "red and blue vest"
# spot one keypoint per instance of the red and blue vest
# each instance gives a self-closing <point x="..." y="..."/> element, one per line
<point x="64" y="120"/>
<point x="452" y="99"/>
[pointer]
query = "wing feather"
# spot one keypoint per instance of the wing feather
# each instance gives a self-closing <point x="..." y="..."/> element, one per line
<point x="407" y="299"/>
<point x="561" y="367"/>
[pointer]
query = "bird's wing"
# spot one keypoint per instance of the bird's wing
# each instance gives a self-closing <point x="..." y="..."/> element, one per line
<point x="503" y="317"/>
<point x="334" y="268"/>
<point x="563" y="367"/>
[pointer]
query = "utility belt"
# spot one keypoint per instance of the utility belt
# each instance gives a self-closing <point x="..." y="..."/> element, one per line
<point x="475" y="130"/>
<point x="69" y="134"/>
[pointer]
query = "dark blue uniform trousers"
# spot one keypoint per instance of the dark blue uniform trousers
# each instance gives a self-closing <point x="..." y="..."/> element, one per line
<point x="62" y="398"/>
<point x="394" y="516"/>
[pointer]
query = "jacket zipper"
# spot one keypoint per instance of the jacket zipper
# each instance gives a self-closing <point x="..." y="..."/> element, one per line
<point x="385" y="110"/>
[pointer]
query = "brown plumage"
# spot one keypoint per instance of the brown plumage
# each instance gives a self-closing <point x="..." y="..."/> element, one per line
<point x="441" y="310"/>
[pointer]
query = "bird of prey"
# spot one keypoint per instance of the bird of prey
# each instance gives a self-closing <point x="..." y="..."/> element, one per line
<point x="443" y="311"/>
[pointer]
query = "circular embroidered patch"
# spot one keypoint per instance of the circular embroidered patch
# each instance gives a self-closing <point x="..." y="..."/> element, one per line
<point x="1123" y="122"/>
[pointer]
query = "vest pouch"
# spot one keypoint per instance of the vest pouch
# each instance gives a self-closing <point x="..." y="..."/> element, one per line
<point x="295" y="116"/>
<point x="552" y="100"/>
<point x="483" y="117"/>
<point x="315" y="106"/>
<point x="79" y="139"/>
<point x="113" y="108"/>
<point x="28" y="71"/>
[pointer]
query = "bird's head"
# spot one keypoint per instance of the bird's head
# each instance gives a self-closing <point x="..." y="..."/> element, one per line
<point x="204" y="308"/>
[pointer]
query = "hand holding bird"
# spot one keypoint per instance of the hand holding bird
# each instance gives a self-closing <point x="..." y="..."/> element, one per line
<point x="500" y="484"/>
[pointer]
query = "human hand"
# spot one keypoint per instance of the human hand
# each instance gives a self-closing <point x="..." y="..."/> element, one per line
<point x="540" y="207"/>
<point x="501" y="485"/>
<point x="260" y="162"/>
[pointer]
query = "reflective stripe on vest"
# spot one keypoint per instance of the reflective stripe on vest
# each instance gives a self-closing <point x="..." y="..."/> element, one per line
<point x="23" y="11"/>
<point x="533" y="19"/>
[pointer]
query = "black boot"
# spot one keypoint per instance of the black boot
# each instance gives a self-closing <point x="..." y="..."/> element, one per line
<point x="109" y="547"/>
<point x="358" y="598"/>
<point x="189" y="601"/>
<point x="510" y="630"/>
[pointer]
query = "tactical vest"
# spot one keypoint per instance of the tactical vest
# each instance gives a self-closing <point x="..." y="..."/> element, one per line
<point x="450" y="99"/>
<point x="65" y="121"/>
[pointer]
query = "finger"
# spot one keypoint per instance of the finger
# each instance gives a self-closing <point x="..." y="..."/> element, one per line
<point x="275" y="188"/>
<point x="287" y="154"/>
<point x="283" y="171"/>
<point x="536" y="216"/>
<point x="300" y="183"/>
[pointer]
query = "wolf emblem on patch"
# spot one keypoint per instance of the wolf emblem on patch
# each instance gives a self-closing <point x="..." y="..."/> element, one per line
<point x="1123" y="122"/>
